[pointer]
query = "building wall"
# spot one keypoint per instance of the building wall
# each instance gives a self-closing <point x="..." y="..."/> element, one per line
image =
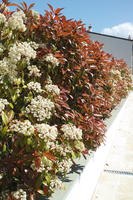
<point x="118" y="47"/>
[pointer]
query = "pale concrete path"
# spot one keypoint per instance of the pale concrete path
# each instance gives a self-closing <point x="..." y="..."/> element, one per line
<point x="116" y="181"/>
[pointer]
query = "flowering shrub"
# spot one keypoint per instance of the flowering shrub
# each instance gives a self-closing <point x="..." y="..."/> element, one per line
<point x="56" y="88"/>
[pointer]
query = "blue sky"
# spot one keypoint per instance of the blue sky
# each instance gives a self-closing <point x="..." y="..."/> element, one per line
<point x="115" y="15"/>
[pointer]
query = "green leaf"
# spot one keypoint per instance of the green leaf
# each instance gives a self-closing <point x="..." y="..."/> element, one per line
<point x="5" y="119"/>
<point x="48" y="178"/>
<point x="38" y="182"/>
<point x="73" y="155"/>
<point x="10" y="115"/>
<point x="40" y="192"/>
<point x="11" y="105"/>
<point x="14" y="93"/>
<point x="29" y="141"/>
<point x="4" y="130"/>
<point x="4" y="148"/>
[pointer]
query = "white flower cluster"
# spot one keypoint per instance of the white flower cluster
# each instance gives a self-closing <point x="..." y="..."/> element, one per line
<point x="21" y="50"/>
<point x="25" y="127"/>
<point x="45" y="164"/>
<point x="46" y="131"/>
<point x="40" y="108"/>
<point x="51" y="59"/>
<point x="71" y="132"/>
<point x="35" y="86"/>
<point x="62" y="149"/>
<point x="116" y="72"/>
<point x="20" y="194"/>
<point x="34" y="71"/>
<point x="65" y="166"/>
<point x="34" y="45"/>
<point x="52" y="89"/>
<point x="3" y="103"/>
<point x="56" y="184"/>
<point x="2" y="18"/>
<point x="16" y="21"/>
<point x="7" y="68"/>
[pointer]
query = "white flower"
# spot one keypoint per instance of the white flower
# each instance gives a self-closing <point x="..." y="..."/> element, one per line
<point x="3" y="103"/>
<point x="25" y="127"/>
<point x="1" y="176"/>
<point x="49" y="80"/>
<point x="46" y="131"/>
<point x="84" y="44"/>
<point x="116" y="72"/>
<point x="51" y="59"/>
<point x="64" y="150"/>
<point x="20" y="194"/>
<point x="35" y="86"/>
<point x="7" y="68"/>
<point x="71" y="132"/>
<point x="20" y="50"/>
<point x="65" y="166"/>
<point x="52" y="89"/>
<point x="1" y="48"/>
<point x="34" y="71"/>
<point x="56" y="183"/>
<point x="60" y="148"/>
<point x="40" y="108"/>
<point x="2" y="18"/>
<point x="16" y="21"/>
<point x="34" y="45"/>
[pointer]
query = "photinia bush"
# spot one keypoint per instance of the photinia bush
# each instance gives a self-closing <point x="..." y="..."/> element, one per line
<point x="56" y="89"/>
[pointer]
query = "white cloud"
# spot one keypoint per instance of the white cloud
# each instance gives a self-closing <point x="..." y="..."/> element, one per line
<point x="120" y="30"/>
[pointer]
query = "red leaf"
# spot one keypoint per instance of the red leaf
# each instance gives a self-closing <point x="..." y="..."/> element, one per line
<point x="49" y="156"/>
<point x="89" y="136"/>
<point x="58" y="10"/>
<point x="77" y="67"/>
<point x="38" y="162"/>
<point x="85" y="151"/>
<point x="91" y="61"/>
<point x="86" y="95"/>
<point x="24" y="5"/>
<point x="45" y="189"/>
<point x="36" y="154"/>
<point x="14" y="4"/>
<point x="7" y="13"/>
<point x="51" y="7"/>
<point x="31" y="5"/>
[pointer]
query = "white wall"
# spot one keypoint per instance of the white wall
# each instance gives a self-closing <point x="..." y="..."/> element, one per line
<point x="118" y="47"/>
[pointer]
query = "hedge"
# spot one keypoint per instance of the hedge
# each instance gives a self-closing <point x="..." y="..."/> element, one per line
<point x="56" y="89"/>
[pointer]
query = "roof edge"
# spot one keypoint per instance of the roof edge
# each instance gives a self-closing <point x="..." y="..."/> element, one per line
<point x="110" y="36"/>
